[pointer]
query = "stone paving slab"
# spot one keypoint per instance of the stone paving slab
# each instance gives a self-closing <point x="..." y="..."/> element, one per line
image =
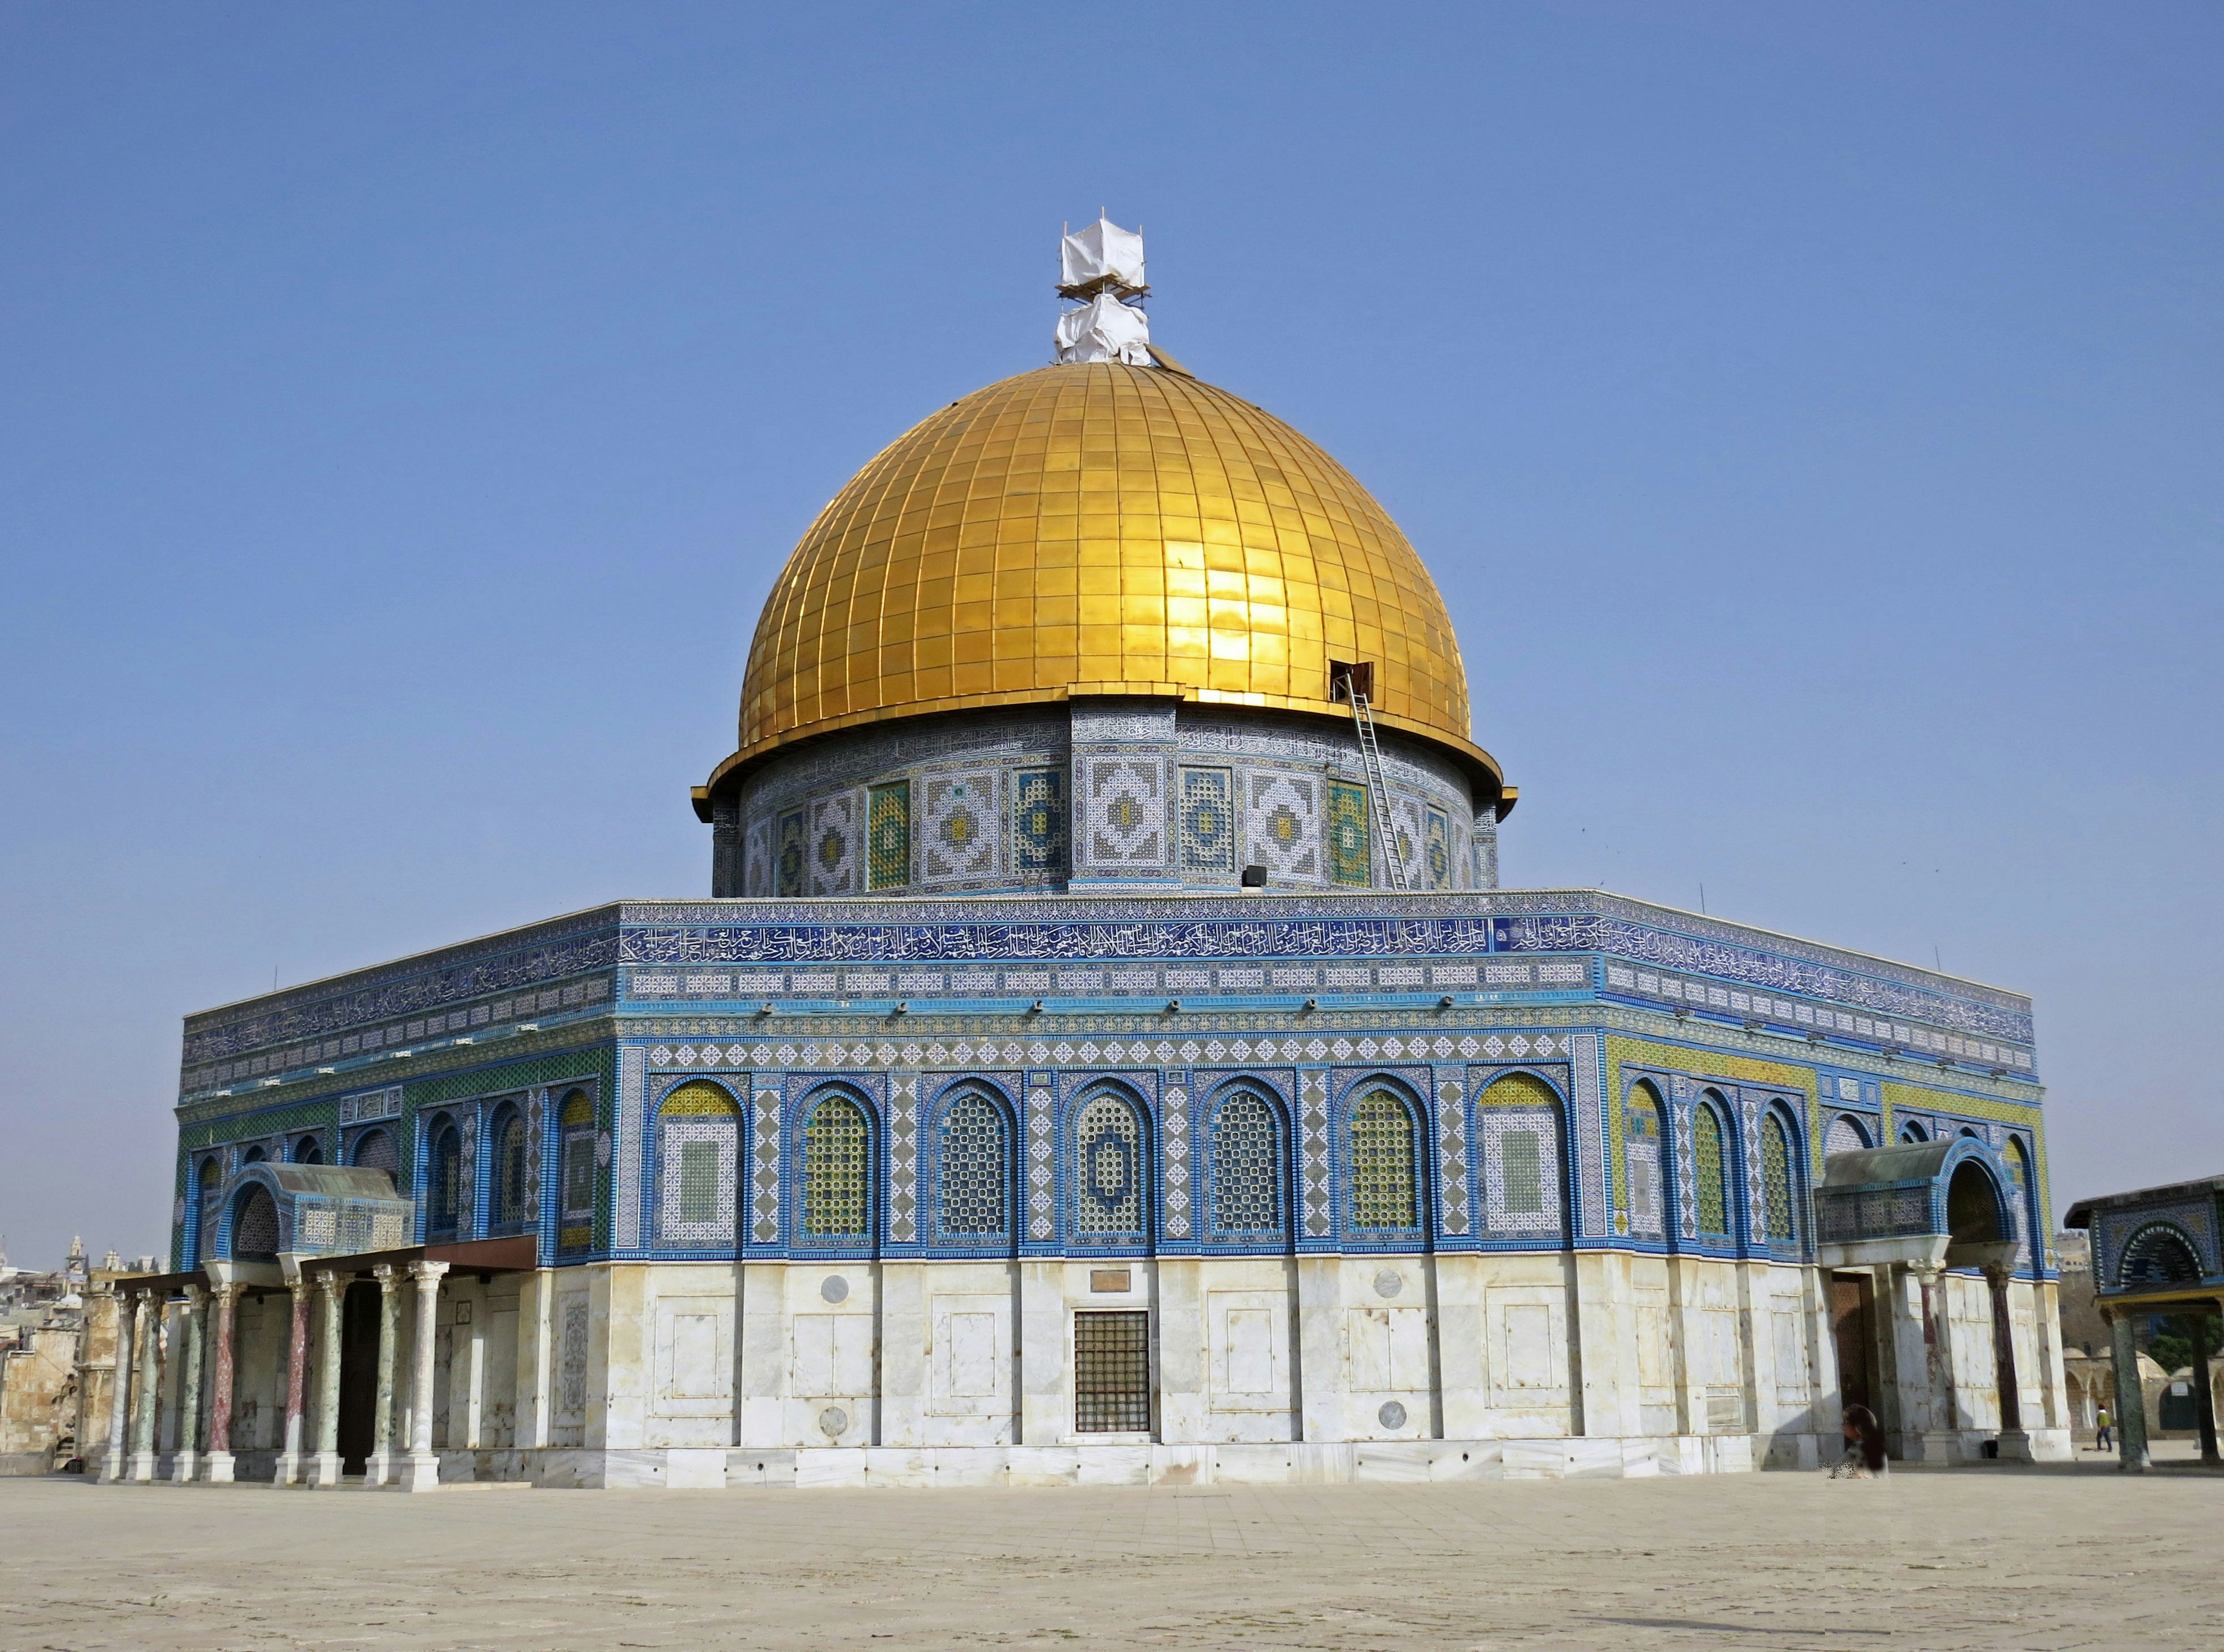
<point x="2011" y="1557"/>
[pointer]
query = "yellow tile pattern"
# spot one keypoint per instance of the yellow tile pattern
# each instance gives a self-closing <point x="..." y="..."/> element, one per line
<point x="1106" y="528"/>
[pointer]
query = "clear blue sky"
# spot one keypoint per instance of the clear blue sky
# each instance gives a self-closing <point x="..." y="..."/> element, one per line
<point x="1811" y="414"/>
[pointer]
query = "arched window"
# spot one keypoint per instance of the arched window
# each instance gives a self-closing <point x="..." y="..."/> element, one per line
<point x="1517" y="1117"/>
<point x="205" y="1182"/>
<point x="254" y="1227"/>
<point x="1847" y="1135"/>
<point x="512" y="1161"/>
<point x="2018" y="1161"/>
<point x="699" y="1140"/>
<point x="375" y="1150"/>
<point x="308" y="1150"/>
<point x="974" y="1156"/>
<point x="1912" y="1132"/>
<point x="253" y="1156"/>
<point x="1710" y="1189"/>
<point x="444" y="1185"/>
<point x="576" y="1120"/>
<point x="1247" y="1165"/>
<point x="1108" y="1147"/>
<point x="837" y="1157"/>
<point x="1383" y="1190"/>
<point x="2158" y="1256"/>
<point x="1776" y="1180"/>
<point x="1641" y="1155"/>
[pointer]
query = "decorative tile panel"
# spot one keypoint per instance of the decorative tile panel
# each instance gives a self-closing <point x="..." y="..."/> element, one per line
<point x="1590" y="1171"/>
<point x="1314" y="1157"/>
<point x="1452" y="1157"/>
<point x="792" y="859"/>
<point x="1436" y="852"/>
<point x="1124" y="813"/>
<point x="1207" y="824"/>
<point x="764" y="1176"/>
<point x="632" y="1127"/>
<point x="1281" y="826"/>
<point x="903" y="1158"/>
<point x="1175" y="1124"/>
<point x="1350" y="860"/>
<point x="681" y="1226"/>
<point x="1042" y="1219"/>
<point x="833" y="845"/>
<point x="1039" y="823"/>
<point x="1525" y="1203"/>
<point x="959" y="825"/>
<point x="887" y="847"/>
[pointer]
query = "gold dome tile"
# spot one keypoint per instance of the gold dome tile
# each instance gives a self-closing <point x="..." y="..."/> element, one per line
<point x="1103" y="528"/>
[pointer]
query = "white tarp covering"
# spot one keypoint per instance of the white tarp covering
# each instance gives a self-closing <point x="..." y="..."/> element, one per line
<point x="1098" y="251"/>
<point x="1104" y="329"/>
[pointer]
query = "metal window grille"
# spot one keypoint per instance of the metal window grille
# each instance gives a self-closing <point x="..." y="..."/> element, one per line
<point x="973" y="1166"/>
<point x="1247" y="1167"/>
<point x="1111" y="1153"/>
<point x="834" y="1165"/>
<point x="1383" y="1195"/>
<point x="887" y="836"/>
<point x="1111" y="1372"/>
<point x="511" y="1159"/>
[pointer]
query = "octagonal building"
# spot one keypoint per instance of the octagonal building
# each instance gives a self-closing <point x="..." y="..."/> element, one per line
<point x="1106" y="1053"/>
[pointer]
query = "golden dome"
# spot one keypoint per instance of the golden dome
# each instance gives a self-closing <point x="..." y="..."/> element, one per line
<point x="1096" y="529"/>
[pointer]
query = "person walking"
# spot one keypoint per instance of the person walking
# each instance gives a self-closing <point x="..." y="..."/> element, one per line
<point x="2105" y="1440"/>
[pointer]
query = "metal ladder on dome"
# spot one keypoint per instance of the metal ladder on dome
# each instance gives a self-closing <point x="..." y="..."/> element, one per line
<point x="1378" y="790"/>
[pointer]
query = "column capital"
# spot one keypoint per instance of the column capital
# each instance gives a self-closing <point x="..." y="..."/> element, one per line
<point x="195" y="1295"/>
<point x="329" y="1281"/>
<point x="427" y="1272"/>
<point x="387" y="1274"/>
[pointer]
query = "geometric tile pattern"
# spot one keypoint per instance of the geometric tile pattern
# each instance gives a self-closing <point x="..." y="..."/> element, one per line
<point x="1349" y="861"/>
<point x="888" y="842"/>
<point x="764" y="1177"/>
<point x="903" y="1158"/>
<point x="632" y="1126"/>
<point x="1124" y="806"/>
<point x="1042" y="1208"/>
<point x="1641" y="1157"/>
<point x="1383" y="1190"/>
<point x="833" y="845"/>
<point x="697" y="1155"/>
<point x="1108" y="1164"/>
<point x="1520" y="1169"/>
<point x="960" y="823"/>
<point x="1038" y="822"/>
<point x="1281" y="826"/>
<point x="1247" y="1165"/>
<point x="1436" y="853"/>
<point x="1313" y="1143"/>
<point x="1208" y="822"/>
<point x="1591" y="1170"/>
<point x="1755" y="1196"/>
<point x="1174" y="1115"/>
<point x="792" y="856"/>
<point x="1452" y="1155"/>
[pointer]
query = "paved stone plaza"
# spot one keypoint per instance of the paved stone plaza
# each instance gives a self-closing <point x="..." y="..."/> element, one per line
<point x="2006" y="1558"/>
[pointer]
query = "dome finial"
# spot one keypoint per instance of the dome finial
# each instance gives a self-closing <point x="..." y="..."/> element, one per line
<point x="1101" y="270"/>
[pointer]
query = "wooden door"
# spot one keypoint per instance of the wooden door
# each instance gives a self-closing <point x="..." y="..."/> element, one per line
<point x="1853" y="1323"/>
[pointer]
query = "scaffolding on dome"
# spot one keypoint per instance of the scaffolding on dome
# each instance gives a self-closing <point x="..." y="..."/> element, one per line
<point x="1101" y="270"/>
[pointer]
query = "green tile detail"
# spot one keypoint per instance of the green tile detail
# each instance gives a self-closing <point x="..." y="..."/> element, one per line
<point x="1349" y="860"/>
<point x="888" y="837"/>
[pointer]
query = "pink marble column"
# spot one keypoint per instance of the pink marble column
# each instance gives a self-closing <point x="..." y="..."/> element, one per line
<point x="297" y="1383"/>
<point x="224" y="1310"/>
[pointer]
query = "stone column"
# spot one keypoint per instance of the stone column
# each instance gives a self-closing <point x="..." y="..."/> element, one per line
<point x="297" y="1383"/>
<point x="127" y="1309"/>
<point x="2131" y="1407"/>
<point x="380" y="1468"/>
<point x="1941" y="1436"/>
<point x="147" y="1387"/>
<point x="224" y="1310"/>
<point x="2015" y="1442"/>
<point x="2204" y="1396"/>
<point x="325" y="1467"/>
<point x="421" y="1469"/>
<point x="186" y="1461"/>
